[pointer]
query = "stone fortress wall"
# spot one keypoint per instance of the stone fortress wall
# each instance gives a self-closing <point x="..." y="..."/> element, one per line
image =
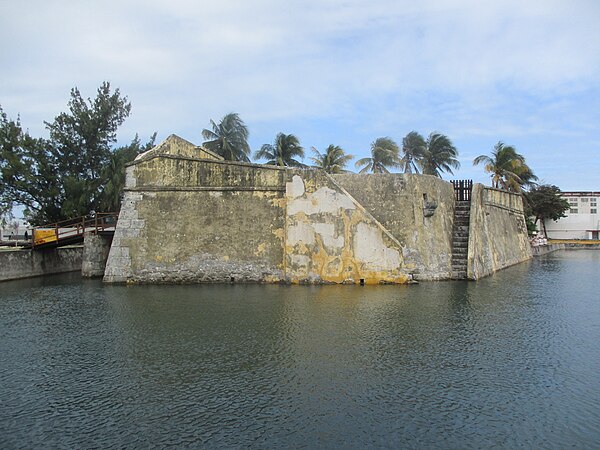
<point x="190" y="217"/>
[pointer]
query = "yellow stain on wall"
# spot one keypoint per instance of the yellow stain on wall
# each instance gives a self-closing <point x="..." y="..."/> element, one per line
<point x="316" y="261"/>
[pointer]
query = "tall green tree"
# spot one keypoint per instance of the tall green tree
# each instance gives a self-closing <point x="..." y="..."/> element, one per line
<point x="283" y="152"/>
<point x="508" y="168"/>
<point x="545" y="203"/>
<point x="333" y="160"/>
<point x="228" y="138"/>
<point x="384" y="154"/>
<point x="82" y="137"/>
<point x="440" y="155"/>
<point x="29" y="174"/>
<point x="113" y="173"/>
<point x="68" y="174"/>
<point x="413" y="151"/>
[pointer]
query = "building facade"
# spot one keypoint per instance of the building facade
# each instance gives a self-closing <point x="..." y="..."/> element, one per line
<point x="582" y="220"/>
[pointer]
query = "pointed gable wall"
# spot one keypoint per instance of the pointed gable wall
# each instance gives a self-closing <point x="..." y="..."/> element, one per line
<point x="176" y="146"/>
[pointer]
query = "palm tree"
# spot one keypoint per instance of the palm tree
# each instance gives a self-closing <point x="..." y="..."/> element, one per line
<point x="439" y="156"/>
<point x="282" y="152"/>
<point x="508" y="168"/>
<point x="384" y="154"/>
<point x="413" y="149"/>
<point x="228" y="138"/>
<point x="334" y="159"/>
<point x="527" y="178"/>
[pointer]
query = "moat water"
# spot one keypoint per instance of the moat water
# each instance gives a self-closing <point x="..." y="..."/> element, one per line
<point x="510" y="361"/>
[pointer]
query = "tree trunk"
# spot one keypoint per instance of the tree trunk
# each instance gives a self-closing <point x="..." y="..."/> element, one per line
<point x="544" y="226"/>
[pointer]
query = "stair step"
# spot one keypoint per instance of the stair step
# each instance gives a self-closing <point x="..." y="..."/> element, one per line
<point x="459" y="275"/>
<point x="460" y="239"/>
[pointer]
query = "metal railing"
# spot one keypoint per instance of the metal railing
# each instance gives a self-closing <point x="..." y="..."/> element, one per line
<point x="72" y="229"/>
<point x="462" y="189"/>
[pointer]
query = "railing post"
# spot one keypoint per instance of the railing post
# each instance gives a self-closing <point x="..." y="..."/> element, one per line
<point x="462" y="189"/>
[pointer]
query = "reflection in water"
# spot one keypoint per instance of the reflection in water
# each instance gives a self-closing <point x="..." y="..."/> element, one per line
<point x="507" y="361"/>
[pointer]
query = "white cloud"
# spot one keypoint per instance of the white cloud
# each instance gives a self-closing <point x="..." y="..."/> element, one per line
<point x="471" y="69"/>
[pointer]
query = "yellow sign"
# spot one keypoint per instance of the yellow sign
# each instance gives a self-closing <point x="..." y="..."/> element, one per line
<point x="44" y="236"/>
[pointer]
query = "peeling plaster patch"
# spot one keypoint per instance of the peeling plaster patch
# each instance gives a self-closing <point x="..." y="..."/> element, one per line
<point x="330" y="200"/>
<point x="295" y="188"/>
<point x="372" y="251"/>
<point x="279" y="232"/>
<point x="300" y="261"/>
<point x="327" y="232"/>
<point x="301" y="232"/>
<point x="260" y="249"/>
<point x="323" y="200"/>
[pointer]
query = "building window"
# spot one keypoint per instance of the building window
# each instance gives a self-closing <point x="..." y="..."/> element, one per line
<point x="574" y="211"/>
<point x="584" y="200"/>
<point x="593" y="204"/>
<point x="593" y="211"/>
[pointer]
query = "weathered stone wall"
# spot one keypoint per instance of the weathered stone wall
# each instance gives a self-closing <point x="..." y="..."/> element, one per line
<point x="331" y="238"/>
<point x="15" y="264"/>
<point x="189" y="216"/>
<point x="497" y="232"/>
<point x="189" y="220"/>
<point x="95" y="253"/>
<point x="418" y="210"/>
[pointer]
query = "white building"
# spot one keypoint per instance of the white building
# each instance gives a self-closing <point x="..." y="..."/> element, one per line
<point x="14" y="230"/>
<point x="582" y="221"/>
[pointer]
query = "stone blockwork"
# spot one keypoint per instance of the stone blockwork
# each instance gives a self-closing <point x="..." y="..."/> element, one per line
<point x="417" y="210"/>
<point x="15" y="264"/>
<point x="497" y="232"/>
<point x="190" y="217"/>
<point x="95" y="253"/>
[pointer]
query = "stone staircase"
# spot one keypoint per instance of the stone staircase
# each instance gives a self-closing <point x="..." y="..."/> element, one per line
<point x="460" y="239"/>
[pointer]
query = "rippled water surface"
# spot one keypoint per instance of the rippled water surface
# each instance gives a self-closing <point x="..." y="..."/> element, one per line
<point x="509" y="361"/>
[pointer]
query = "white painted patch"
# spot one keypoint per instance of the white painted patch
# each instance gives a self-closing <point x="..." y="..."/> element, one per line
<point x="300" y="261"/>
<point x="295" y="188"/>
<point x="330" y="200"/>
<point x="324" y="200"/>
<point x="300" y="232"/>
<point x="327" y="232"/>
<point x="370" y="249"/>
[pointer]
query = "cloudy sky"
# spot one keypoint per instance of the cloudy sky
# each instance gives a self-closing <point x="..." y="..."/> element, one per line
<point x="338" y="72"/>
